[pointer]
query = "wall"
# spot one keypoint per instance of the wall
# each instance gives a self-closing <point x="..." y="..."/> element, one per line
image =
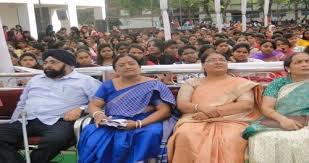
<point x="140" y="22"/>
<point x="8" y="14"/>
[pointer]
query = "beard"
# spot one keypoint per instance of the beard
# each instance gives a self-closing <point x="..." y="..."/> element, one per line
<point x="55" y="73"/>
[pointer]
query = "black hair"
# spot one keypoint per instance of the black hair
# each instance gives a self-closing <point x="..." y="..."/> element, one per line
<point x="82" y="51"/>
<point x="157" y="43"/>
<point x="192" y="36"/>
<point x="221" y="35"/>
<point x="180" y="51"/>
<point x="11" y="36"/>
<point x="278" y="32"/>
<point x="111" y="41"/>
<point x="137" y="47"/>
<point x="187" y="47"/>
<point x="18" y="42"/>
<point x="250" y="34"/>
<point x="175" y="33"/>
<point x="184" y="40"/>
<point x="56" y="45"/>
<point x="307" y="30"/>
<point x="204" y="48"/>
<point x="272" y="43"/>
<point x="288" y="35"/>
<point x="74" y="30"/>
<point x="260" y="35"/>
<point x="284" y="40"/>
<point x="132" y="37"/>
<point x="241" y="36"/>
<point x="219" y="41"/>
<point x="306" y="50"/>
<point x="120" y="44"/>
<point x="276" y="36"/>
<point x="201" y="41"/>
<point x="71" y="50"/>
<point x="287" y="62"/>
<point x="36" y="66"/>
<point x="241" y="45"/>
<point x="228" y="54"/>
<point x="39" y="46"/>
<point x="169" y="43"/>
<point x="21" y="28"/>
<point x="124" y="55"/>
<point x="100" y="58"/>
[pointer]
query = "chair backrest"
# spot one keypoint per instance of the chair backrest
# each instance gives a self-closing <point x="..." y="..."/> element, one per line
<point x="9" y="99"/>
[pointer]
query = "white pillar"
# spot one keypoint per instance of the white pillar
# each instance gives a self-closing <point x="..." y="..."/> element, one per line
<point x="5" y="58"/>
<point x="6" y="65"/>
<point x="218" y="15"/>
<point x="166" y="22"/>
<point x="266" y="8"/>
<point x="26" y="16"/>
<point x="55" y="20"/>
<point x="243" y="13"/>
<point x="72" y="13"/>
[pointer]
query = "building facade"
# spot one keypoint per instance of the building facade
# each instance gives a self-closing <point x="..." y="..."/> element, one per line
<point x="35" y="15"/>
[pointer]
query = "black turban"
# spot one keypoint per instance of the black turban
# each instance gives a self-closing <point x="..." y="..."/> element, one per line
<point x="61" y="55"/>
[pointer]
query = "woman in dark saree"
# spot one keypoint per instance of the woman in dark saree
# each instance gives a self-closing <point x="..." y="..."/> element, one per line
<point x="144" y="103"/>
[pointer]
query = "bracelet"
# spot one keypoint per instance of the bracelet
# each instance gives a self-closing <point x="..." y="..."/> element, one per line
<point x="195" y="108"/>
<point x="97" y="112"/>
<point x="136" y="124"/>
<point x="139" y="123"/>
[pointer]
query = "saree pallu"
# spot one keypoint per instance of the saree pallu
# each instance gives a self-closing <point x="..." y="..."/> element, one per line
<point x="112" y="145"/>
<point x="216" y="140"/>
<point x="268" y="143"/>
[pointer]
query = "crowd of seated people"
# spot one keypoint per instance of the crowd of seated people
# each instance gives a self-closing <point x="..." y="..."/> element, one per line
<point x="217" y="112"/>
<point x="265" y="44"/>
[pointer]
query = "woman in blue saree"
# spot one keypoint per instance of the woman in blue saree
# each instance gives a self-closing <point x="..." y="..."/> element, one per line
<point x="283" y="134"/>
<point x="144" y="103"/>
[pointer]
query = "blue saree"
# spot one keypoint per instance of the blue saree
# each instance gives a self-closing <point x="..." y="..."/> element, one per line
<point x="113" y="145"/>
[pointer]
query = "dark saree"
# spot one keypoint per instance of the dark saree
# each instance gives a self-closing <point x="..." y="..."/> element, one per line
<point x="113" y="145"/>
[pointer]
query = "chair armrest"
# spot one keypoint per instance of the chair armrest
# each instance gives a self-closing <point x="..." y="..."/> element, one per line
<point x="80" y="124"/>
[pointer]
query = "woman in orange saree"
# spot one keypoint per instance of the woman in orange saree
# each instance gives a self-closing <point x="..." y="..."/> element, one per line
<point x="216" y="109"/>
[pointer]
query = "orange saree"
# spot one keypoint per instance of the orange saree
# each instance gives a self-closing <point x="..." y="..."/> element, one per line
<point x="216" y="140"/>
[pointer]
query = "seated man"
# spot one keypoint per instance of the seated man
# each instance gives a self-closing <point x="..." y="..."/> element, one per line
<point x="52" y="101"/>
